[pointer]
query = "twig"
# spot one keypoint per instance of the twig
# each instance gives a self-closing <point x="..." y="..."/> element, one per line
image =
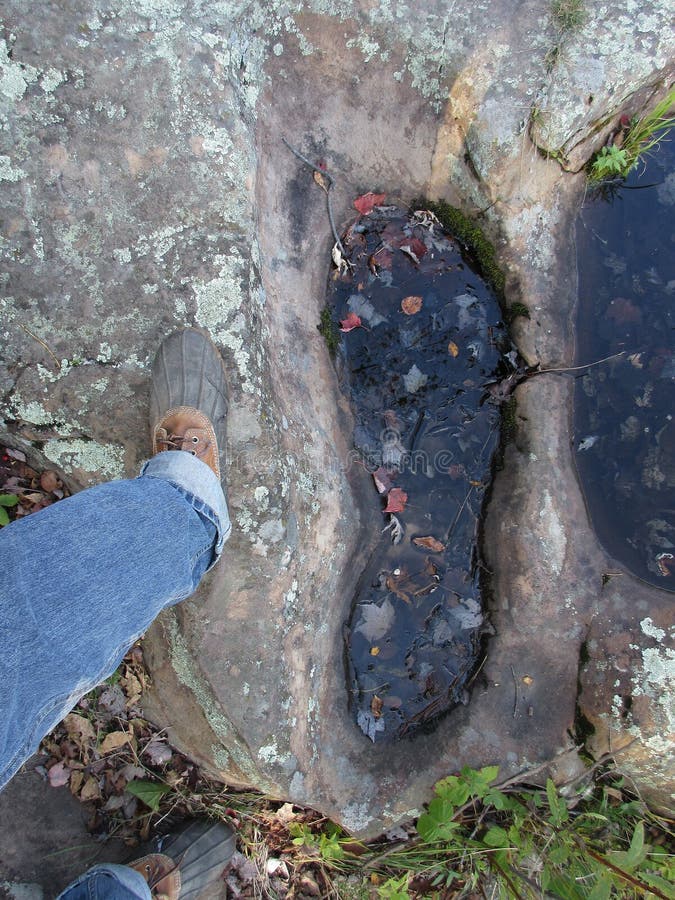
<point x="586" y="366"/>
<point x="330" y="181"/>
<point x="459" y="513"/>
<point x="42" y="344"/>
<point x="515" y="688"/>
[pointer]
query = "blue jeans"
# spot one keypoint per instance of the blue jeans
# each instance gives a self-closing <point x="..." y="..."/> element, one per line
<point x="108" y="882"/>
<point x="81" y="580"/>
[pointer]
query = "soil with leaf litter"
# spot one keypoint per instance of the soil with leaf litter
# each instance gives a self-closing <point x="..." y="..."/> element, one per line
<point x="422" y="354"/>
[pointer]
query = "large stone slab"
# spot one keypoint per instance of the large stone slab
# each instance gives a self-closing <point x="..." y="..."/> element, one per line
<point x="146" y="184"/>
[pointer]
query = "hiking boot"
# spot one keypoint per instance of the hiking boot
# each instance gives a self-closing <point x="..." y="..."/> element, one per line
<point x="188" y="397"/>
<point x="188" y="862"/>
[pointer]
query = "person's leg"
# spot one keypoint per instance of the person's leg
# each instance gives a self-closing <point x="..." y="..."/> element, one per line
<point x="81" y="580"/>
<point x="108" y="882"/>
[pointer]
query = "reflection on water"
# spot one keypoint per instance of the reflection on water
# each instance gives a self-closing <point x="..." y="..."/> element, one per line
<point x="624" y="427"/>
<point x="418" y="369"/>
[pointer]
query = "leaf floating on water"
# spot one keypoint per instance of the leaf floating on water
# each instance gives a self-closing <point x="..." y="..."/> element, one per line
<point x="350" y="322"/>
<point x="396" y="500"/>
<point x="414" y="379"/>
<point x="414" y="248"/>
<point x="368" y="724"/>
<point x="376" y="620"/>
<point x="367" y="202"/>
<point x="383" y="480"/>
<point x="411" y="305"/>
<point x="429" y="543"/>
<point x="376" y="706"/>
<point x="588" y="442"/>
<point x="453" y="349"/>
<point x="396" y="530"/>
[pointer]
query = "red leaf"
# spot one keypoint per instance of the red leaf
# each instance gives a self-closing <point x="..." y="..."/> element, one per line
<point x="414" y="248"/>
<point x="396" y="501"/>
<point x="351" y="322"/>
<point x="366" y="202"/>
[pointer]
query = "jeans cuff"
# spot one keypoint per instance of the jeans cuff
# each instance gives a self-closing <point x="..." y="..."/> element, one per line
<point x="200" y="485"/>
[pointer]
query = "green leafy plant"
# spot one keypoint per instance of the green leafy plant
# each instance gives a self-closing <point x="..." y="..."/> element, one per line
<point x="7" y="501"/>
<point x="640" y="137"/>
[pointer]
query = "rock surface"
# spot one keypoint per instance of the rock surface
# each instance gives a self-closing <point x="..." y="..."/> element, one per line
<point x="146" y="185"/>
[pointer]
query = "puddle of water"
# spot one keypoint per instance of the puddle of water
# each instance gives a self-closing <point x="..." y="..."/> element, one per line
<point x="624" y="427"/>
<point x="418" y="372"/>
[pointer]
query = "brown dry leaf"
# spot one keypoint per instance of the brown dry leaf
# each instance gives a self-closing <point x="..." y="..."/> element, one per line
<point x="90" y="790"/>
<point x="321" y="180"/>
<point x="132" y="688"/>
<point x="76" y="780"/>
<point x="49" y="481"/>
<point x="429" y="543"/>
<point x="396" y="501"/>
<point x="453" y="349"/>
<point x="411" y="305"/>
<point x="400" y="583"/>
<point x="113" y="741"/>
<point x="376" y="705"/>
<point x="81" y="732"/>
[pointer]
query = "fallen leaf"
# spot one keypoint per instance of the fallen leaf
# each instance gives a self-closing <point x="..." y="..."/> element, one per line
<point x="79" y="729"/>
<point x="285" y="813"/>
<point x="527" y="679"/>
<point x="414" y="248"/>
<point x="623" y="311"/>
<point x="321" y="180"/>
<point x="396" y="500"/>
<point x="375" y="620"/>
<point x="76" y="781"/>
<point x="158" y="752"/>
<point x="411" y="305"/>
<point x="90" y="790"/>
<point x="367" y="202"/>
<point x="383" y="258"/>
<point x="59" y="774"/>
<point x="383" y="480"/>
<point x="429" y="543"/>
<point x="453" y="349"/>
<point x="113" y="741"/>
<point x="150" y="792"/>
<point x="374" y="651"/>
<point x="401" y="584"/>
<point x="414" y="379"/>
<point x="350" y="322"/>
<point x="376" y="706"/>
<point x="49" y="481"/>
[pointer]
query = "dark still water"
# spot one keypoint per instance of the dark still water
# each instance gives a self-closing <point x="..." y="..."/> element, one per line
<point x="624" y="425"/>
<point x="422" y="344"/>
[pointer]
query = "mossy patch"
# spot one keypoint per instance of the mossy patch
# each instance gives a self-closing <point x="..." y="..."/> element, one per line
<point x="328" y="330"/>
<point x="472" y="237"/>
<point x="515" y="310"/>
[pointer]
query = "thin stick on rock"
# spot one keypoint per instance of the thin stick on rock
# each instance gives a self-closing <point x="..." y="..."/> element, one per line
<point x="330" y="181"/>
